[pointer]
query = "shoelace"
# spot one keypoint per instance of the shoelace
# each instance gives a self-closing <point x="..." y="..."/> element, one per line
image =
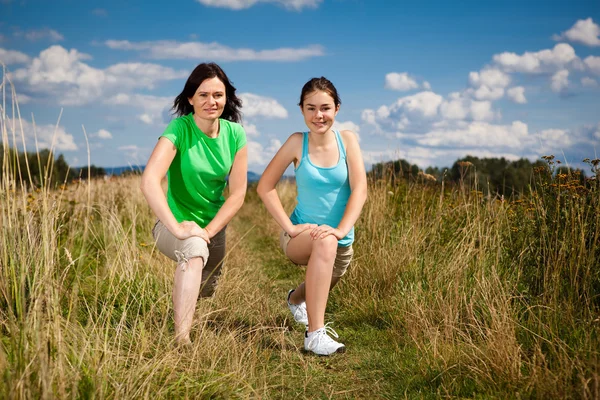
<point x="326" y="330"/>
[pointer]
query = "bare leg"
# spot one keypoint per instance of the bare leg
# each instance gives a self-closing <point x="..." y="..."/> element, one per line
<point x="185" y="295"/>
<point x="319" y="255"/>
<point x="299" y="294"/>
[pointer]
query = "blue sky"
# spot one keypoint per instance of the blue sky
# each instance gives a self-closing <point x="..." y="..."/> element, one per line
<point x="427" y="81"/>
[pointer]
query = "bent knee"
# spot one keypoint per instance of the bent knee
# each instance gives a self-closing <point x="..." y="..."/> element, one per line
<point x="326" y="246"/>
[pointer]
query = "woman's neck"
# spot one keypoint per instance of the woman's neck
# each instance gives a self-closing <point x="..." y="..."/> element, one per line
<point x="210" y="127"/>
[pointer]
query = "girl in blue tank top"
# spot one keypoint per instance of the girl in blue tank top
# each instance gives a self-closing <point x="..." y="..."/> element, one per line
<point x="332" y="189"/>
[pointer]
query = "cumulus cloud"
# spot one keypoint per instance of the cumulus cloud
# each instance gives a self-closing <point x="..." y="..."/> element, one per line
<point x="544" y="61"/>
<point x="254" y="105"/>
<point x="152" y="108"/>
<point x="517" y="94"/>
<point x="400" y="81"/>
<point x="61" y="74"/>
<point x="296" y="5"/>
<point x="488" y="84"/>
<point x="589" y="82"/>
<point x="9" y="57"/>
<point x="40" y="34"/>
<point x="478" y="135"/>
<point x="348" y="126"/>
<point x="47" y="136"/>
<point x="170" y="49"/>
<point x="251" y="130"/>
<point x="260" y="155"/>
<point x="102" y="134"/>
<point x="585" y="31"/>
<point x="593" y="63"/>
<point x="560" y="81"/>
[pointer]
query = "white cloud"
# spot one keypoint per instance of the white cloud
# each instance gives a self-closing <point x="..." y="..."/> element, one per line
<point x="169" y="49"/>
<point x="490" y="77"/>
<point x="251" y="130"/>
<point x="588" y="82"/>
<point x="259" y="155"/>
<point x="241" y="4"/>
<point x="102" y="134"/>
<point x="48" y="136"/>
<point x="517" y="94"/>
<point x="481" y="110"/>
<point x="559" y="57"/>
<point x="426" y="85"/>
<point x="41" y="34"/>
<point x="425" y="104"/>
<point x="153" y="108"/>
<point x="584" y="31"/>
<point x="560" y="81"/>
<point x="400" y="81"/>
<point x="478" y="135"/>
<point x="421" y="112"/>
<point x="60" y="73"/>
<point x="593" y="63"/>
<point x="347" y="126"/>
<point x="254" y="105"/>
<point x="488" y="84"/>
<point x="13" y="57"/>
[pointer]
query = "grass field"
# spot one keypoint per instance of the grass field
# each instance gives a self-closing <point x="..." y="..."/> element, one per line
<point x="451" y="294"/>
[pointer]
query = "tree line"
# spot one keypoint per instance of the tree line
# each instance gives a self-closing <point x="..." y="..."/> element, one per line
<point x="42" y="168"/>
<point x="496" y="176"/>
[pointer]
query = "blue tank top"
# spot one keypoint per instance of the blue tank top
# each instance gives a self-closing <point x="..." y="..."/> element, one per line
<point x="322" y="192"/>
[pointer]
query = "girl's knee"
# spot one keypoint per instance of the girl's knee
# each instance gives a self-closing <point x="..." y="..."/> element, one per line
<point x="326" y="246"/>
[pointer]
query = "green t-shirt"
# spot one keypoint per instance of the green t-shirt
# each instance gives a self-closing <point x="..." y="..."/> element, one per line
<point x="196" y="177"/>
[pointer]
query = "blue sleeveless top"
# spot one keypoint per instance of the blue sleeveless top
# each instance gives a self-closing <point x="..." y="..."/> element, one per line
<point x="322" y="192"/>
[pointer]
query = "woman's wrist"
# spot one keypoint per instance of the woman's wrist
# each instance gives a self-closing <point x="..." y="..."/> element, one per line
<point x="208" y="232"/>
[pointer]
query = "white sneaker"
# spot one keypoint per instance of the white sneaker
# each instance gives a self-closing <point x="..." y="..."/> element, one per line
<point x="320" y="343"/>
<point x="298" y="310"/>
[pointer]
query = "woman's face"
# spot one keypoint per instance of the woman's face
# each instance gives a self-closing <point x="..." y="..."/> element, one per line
<point x="319" y="111"/>
<point x="209" y="99"/>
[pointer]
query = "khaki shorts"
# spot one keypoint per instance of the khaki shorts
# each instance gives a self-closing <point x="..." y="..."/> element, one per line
<point x="184" y="250"/>
<point x="342" y="259"/>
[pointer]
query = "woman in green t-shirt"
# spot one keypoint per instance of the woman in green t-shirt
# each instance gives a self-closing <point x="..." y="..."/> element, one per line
<point x="197" y="151"/>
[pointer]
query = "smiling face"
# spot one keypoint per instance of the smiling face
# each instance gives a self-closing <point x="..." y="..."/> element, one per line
<point x="209" y="99"/>
<point x="319" y="110"/>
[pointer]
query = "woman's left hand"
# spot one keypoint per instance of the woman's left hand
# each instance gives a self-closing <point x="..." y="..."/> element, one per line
<point x="323" y="230"/>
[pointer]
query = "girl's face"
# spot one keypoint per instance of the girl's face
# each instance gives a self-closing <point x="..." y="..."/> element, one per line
<point x="209" y="99"/>
<point x="319" y="111"/>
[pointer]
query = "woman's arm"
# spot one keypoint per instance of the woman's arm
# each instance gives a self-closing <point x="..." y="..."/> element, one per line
<point x="161" y="158"/>
<point x="287" y="154"/>
<point x="238" y="182"/>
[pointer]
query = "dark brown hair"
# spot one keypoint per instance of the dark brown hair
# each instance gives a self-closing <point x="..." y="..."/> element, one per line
<point x="204" y="71"/>
<point x="322" y="84"/>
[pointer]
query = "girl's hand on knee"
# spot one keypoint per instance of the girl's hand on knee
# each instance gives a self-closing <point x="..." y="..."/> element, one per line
<point x="324" y="230"/>
<point x="187" y="229"/>
<point x="298" y="229"/>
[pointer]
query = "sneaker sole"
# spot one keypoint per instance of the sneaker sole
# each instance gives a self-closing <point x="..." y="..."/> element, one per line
<point x="340" y="350"/>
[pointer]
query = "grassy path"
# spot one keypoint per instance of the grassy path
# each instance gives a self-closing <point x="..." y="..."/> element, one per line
<point x="371" y="366"/>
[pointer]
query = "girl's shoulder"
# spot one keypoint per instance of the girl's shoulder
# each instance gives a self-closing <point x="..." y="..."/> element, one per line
<point x="348" y="137"/>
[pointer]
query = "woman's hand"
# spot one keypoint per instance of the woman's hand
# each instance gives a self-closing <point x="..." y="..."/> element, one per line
<point x="321" y="231"/>
<point x="298" y="229"/>
<point x="187" y="229"/>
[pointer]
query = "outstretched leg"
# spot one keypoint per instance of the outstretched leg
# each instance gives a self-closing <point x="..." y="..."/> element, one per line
<point x="186" y="288"/>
